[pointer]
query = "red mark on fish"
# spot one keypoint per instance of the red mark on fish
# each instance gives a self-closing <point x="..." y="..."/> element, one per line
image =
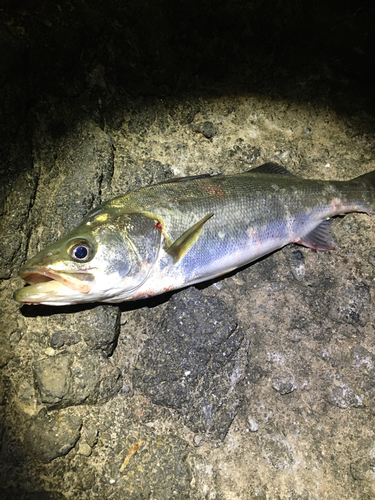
<point x="211" y="189"/>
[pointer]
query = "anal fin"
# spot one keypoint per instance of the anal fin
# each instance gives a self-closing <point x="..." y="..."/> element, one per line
<point x="319" y="238"/>
<point x="182" y="245"/>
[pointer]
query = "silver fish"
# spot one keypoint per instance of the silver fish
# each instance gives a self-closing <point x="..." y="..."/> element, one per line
<point x="173" y="234"/>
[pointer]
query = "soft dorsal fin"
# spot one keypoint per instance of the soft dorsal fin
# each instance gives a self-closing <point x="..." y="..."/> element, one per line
<point x="271" y="168"/>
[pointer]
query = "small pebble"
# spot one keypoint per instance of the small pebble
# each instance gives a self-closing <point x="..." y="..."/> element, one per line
<point x="84" y="449"/>
<point x="198" y="440"/>
<point x="253" y="425"/>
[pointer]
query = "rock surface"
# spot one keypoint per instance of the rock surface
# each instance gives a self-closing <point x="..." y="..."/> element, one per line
<point x="258" y="386"/>
<point x="192" y="364"/>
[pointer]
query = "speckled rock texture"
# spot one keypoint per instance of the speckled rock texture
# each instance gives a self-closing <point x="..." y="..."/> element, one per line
<point x="258" y="385"/>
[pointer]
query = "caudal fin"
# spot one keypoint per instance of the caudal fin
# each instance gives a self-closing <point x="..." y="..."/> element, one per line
<point x="369" y="178"/>
<point x="364" y="186"/>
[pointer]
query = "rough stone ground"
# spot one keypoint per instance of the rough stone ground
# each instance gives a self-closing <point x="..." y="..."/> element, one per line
<point x="258" y="386"/>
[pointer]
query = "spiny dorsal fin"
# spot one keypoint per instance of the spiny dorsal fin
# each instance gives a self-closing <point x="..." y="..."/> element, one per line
<point x="188" y="178"/>
<point x="183" y="244"/>
<point x="271" y="168"/>
<point x="320" y="238"/>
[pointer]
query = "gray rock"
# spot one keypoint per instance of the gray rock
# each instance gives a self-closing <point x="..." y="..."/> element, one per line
<point x="207" y="128"/>
<point x="191" y="365"/>
<point x="52" y="435"/>
<point x="61" y="338"/>
<point x="53" y="379"/>
<point x="67" y="380"/>
<point x="162" y="460"/>
<point x="343" y="396"/>
<point x="284" y="385"/>
<point x="364" y="363"/>
<point x="89" y="169"/>
<point x="362" y="467"/>
<point x="277" y="451"/>
<point x="100" y="328"/>
<point x="351" y="304"/>
<point x="17" y="194"/>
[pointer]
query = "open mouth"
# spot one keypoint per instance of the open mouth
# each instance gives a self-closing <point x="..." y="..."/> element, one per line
<point x="53" y="288"/>
<point x="80" y="281"/>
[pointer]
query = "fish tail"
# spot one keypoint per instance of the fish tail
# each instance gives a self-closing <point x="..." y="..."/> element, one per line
<point x="368" y="178"/>
<point x="364" y="187"/>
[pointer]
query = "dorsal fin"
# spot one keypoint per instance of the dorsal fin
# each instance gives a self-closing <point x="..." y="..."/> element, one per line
<point x="189" y="178"/>
<point x="271" y="168"/>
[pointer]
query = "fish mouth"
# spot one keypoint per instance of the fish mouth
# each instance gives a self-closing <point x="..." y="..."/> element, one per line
<point x="48" y="285"/>
<point x="80" y="281"/>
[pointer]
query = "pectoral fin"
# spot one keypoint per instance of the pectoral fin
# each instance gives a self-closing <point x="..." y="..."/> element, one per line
<point x="183" y="244"/>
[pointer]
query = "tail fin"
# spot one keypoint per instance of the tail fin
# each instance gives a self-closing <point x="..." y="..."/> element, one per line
<point x="369" y="178"/>
<point x="365" y="187"/>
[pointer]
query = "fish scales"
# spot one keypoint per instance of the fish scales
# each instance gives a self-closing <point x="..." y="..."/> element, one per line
<point x="175" y="234"/>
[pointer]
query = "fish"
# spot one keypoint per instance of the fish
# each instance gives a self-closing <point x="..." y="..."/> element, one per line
<point x="184" y="231"/>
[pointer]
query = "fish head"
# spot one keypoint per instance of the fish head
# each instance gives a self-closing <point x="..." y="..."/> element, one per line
<point x="106" y="258"/>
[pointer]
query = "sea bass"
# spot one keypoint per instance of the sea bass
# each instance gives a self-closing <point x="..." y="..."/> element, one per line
<point x="180" y="232"/>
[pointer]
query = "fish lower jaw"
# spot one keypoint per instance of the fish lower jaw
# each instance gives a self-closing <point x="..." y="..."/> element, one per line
<point x="47" y="293"/>
<point x="80" y="281"/>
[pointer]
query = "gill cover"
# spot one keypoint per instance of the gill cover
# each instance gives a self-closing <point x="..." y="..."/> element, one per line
<point x="143" y="237"/>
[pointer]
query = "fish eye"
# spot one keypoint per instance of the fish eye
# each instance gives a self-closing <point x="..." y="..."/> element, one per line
<point x="81" y="251"/>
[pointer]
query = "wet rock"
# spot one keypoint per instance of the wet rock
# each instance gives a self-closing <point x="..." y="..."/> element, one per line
<point x="145" y="173"/>
<point x="90" y="435"/>
<point x="100" y="328"/>
<point x="17" y="194"/>
<point x="362" y="467"/>
<point x="351" y="304"/>
<point x="89" y="166"/>
<point x="142" y="119"/>
<point x="364" y="362"/>
<point x="207" y="128"/>
<point x="343" y="396"/>
<point x="254" y="373"/>
<point x="161" y="460"/>
<point x="53" y="435"/>
<point x="67" y="380"/>
<point x="26" y="398"/>
<point x="296" y="261"/>
<point x="260" y="493"/>
<point x="12" y="451"/>
<point x="191" y="364"/>
<point x="284" y="385"/>
<point x="53" y="379"/>
<point x="61" y="338"/>
<point x="277" y="451"/>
